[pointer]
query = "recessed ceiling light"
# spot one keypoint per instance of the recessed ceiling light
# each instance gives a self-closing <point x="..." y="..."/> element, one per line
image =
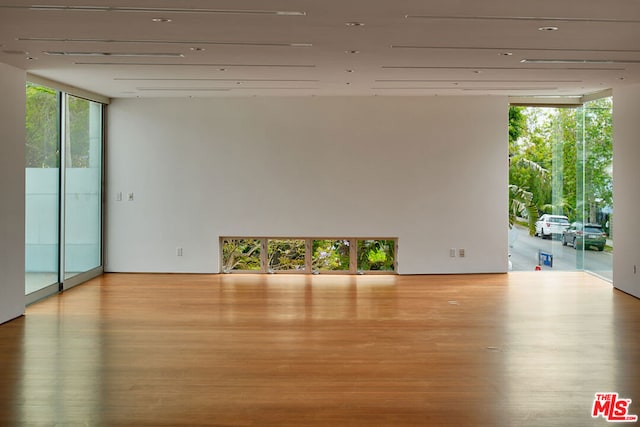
<point x="197" y="49"/>
<point x="548" y="28"/>
<point x="349" y="71"/>
<point x="505" y="53"/>
<point x="161" y="19"/>
<point x="352" y="51"/>
<point x="354" y="24"/>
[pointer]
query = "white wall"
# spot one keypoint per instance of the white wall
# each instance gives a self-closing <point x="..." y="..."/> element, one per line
<point x="431" y="171"/>
<point x="626" y="176"/>
<point x="12" y="107"/>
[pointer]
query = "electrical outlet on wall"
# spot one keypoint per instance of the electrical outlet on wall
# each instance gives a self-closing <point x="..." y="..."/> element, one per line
<point x="461" y="252"/>
<point x="452" y="252"/>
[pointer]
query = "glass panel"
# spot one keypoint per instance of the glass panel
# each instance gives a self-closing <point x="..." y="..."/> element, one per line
<point x="330" y="255"/>
<point x="595" y="185"/>
<point x="241" y="255"/>
<point x="83" y="185"/>
<point x="286" y="255"/>
<point x="543" y="163"/>
<point x="42" y="187"/>
<point x="562" y="158"/>
<point x="376" y="255"/>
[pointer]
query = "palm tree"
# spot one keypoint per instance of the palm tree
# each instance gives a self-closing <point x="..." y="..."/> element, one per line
<point x="521" y="202"/>
<point x="521" y="199"/>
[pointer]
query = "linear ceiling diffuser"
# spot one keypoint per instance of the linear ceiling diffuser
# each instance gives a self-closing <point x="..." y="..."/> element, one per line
<point x="81" y="8"/>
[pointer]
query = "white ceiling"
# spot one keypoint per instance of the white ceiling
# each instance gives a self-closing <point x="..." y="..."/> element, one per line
<point x="405" y="47"/>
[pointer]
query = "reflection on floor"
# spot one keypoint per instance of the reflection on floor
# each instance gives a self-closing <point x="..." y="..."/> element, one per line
<point x="525" y="349"/>
<point x="36" y="281"/>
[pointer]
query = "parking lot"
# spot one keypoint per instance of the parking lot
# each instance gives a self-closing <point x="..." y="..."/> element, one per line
<point x="524" y="251"/>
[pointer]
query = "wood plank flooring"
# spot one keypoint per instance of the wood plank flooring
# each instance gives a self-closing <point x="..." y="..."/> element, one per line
<point x="524" y="349"/>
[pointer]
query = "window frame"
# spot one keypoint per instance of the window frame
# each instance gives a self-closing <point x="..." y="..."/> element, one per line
<point x="63" y="92"/>
<point x="264" y="240"/>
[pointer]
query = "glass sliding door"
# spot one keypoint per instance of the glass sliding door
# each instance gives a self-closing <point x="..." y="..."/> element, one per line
<point x="63" y="199"/>
<point x="82" y="183"/>
<point x="42" y="176"/>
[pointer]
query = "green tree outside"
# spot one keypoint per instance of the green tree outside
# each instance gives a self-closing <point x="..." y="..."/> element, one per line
<point x="42" y="127"/>
<point x="561" y="160"/>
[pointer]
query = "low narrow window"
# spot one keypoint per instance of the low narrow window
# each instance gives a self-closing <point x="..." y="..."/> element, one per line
<point x="376" y="255"/>
<point x="308" y="255"/>
<point x="331" y="255"/>
<point x="286" y="255"/>
<point x="241" y="255"/>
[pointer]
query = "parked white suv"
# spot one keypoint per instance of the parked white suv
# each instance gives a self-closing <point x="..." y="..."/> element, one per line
<point x="549" y="225"/>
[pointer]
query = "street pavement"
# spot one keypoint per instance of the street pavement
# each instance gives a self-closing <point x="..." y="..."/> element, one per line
<point x="524" y="251"/>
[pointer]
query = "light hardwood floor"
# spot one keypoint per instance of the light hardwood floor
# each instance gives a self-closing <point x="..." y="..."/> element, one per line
<point x="524" y="349"/>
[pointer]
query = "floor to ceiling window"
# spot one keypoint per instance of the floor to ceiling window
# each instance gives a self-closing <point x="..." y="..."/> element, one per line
<point x="63" y="189"/>
<point x="561" y="169"/>
<point x="42" y="187"/>
<point x="83" y="185"/>
<point x="594" y="175"/>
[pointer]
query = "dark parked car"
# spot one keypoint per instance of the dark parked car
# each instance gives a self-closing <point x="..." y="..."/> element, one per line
<point x="585" y="236"/>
